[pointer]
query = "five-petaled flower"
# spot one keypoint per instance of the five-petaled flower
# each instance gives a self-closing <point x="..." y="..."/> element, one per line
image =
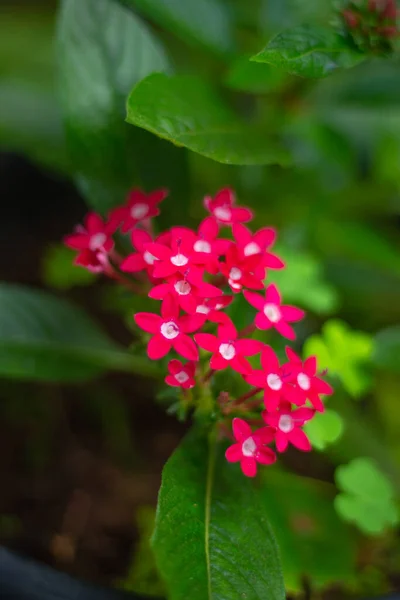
<point x="181" y="375"/>
<point x="288" y="424"/>
<point x="251" y="447"/>
<point x="176" y="257"/>
<point x="93" y="241"/>
<point x="273" y="378"/>
<point x="273" y="313"/>
<point x="223" y="208"/>
<point x="185" y="291"/>
<point x="307" y="386"/>
<point x="139" y="207"/>
<point x="240" y="271"/>
<point x="257" y="244"/>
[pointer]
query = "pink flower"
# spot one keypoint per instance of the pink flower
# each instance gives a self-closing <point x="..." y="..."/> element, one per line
<point x="178" y="257"/>
<point x="257" y="244"/>
<point x="240" y="271"/>
<point x="95" y="236"/>
<point x="143" y="259"/>
<point x="139" y="207"/>
<point x="207" y="248"/>
<point x="251" y="447"/>
<point x="170" y="331"/>
<point x="306" y="385"/>
<point x="223" y="208"/>
<point x="212" y="306"/>
<point x="96" y="262"/>
<point x="185" y="291"/>
<point x="273" y="378"/>
<point x="227" y="349"/>
<point x="181" y="375"/>
<point x="272" y="313"/>
<point x="288" y="424"/>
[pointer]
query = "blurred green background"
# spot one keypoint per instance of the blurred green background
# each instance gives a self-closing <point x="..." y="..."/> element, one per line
<point x="80" y="463"/>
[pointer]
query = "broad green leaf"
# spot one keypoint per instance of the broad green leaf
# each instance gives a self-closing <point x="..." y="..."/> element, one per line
<point x="207" y="23"/>
<point x="212" y="538"/>
<point x="345" y="353"/>
<point x="309" y="51"/>
<point x="324" y="429"/>
<point x="104" y="50"/>
<point x="303" y="283"/>
<point x="254" y="78"/>
<point x="188" y="112"/>
<point x="387" y="349"/>
<point x="59" y="270"/>
<point x="367" y="497"/>
<point x="45" y="338"/>
<point x="313" y="541"/>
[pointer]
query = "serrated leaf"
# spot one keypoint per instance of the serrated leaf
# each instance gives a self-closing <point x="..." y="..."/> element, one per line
<point x="104" y="50"/>
<point x="313" y="541"/>
<point x="309" y="51"/>
<point x="324" y="429"/>
<point x="188" y="112"/>
<point x="42" y="337"/>
<point x="345" y="353"/>
<point x="367" y="497"/>
<point x="207" y="23"/>
<point x="212" y="539"/>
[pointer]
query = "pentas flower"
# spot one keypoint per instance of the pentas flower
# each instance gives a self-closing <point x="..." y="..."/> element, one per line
<point x="95" y="236"/>
<point x="257" y="244"/>
<point x="139" y="207"/>
<point x="96" y="262"/>
<point x="307" y="386"/>
<point x="212" y="308"/>
<point x="185" y="291"/>
<point x="274" y="379"/>
<point x="181" y="375"/>
<point x="288" y="424"/>
<point x="143" y="259"/>
<point x="273" y="313"/>
<point x="207" y="248"/>
<point x="170" y="331"/>
<point x="227" y="349"/>
<point x="251" y="447"/>
<point x="240" y="271"/>
<point x="223" y="208"/>
<point x="177" y="256"/>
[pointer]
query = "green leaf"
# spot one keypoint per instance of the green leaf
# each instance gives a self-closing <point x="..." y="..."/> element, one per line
<point x="309" y="51"/>
<point x="254" y="78"/>
<point x="212" y="539"/>
<point x="188" y="112"/>
<point x="313" y="541"/>
<point x="367" y="497"/>
<point x="387" y="349"/>
<point x="324" y="429"/>
<point x="105" y="50"/>
<point x="344" y="353"/>
<point x="45" y="338"/>
<point x="207" y="23"/>
<point x="59" y="270"/>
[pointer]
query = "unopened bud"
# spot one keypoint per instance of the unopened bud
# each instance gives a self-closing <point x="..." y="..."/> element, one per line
<point x="351" y="18"/>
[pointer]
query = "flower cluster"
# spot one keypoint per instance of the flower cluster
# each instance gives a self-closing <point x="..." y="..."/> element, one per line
<point x="196" y="275"/>
<point x="372" y="24"/>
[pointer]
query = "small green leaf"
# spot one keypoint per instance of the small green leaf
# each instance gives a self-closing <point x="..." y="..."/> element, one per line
<point x="207" y="23"/>
<point x="45" y="338"/>
<point x="324" y="429"/>
<point x="60" y="272"/>
<point x="309" y="51"/>
<point x="212" y="539"/>
<point x="188" y="112"/>
<point x="313" y="541"/>
<point x="345" y="353"/>
<point x="367" y="497"/>
<point x="387" y="349"/>
<point x="254" y="78"/>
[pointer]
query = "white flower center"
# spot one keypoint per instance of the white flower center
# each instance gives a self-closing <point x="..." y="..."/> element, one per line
<point x="286" y="423"/>
<point x="219" y="306"/>
<point x="182" y="287"/>
<point x="223" y="213"/>
<point x="251" y="249"/>
<point x="140" y="210"/>
<point x="234" y="285"/>
<point x="274" y="382"/>
<point x="272" y="312"/>
<point x="96" y="241"/>
<point x="304" y="381"/>
<point x="179" y="260"/>
<point x="202" y="246"/>
<point x="149" y="258"/>
<point x="227" y="351"/>
<point x="249" y="447"/>
<point x="235" y="274"/>
<point x="182" y="377"/>
<point x="203" y="309"/>
<point x="170" y="330"/>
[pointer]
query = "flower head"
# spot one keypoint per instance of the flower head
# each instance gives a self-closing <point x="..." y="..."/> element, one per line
<point x="181" y="375"/>
<point x="240" y="271"/>
<point x="177" y="257"/>
<point x="139" y="207"/>
<point x="288" y="424"/>
<point x="93" y="241"/>
<point x="272" y="378"/>
<point x="305" y="384"/>
<point x="257" y="244"/>
<point x="207" y="248"/>
<point x="187" y="293"/>
<point x="223" y="208"/>
<point x="251" y="447"/>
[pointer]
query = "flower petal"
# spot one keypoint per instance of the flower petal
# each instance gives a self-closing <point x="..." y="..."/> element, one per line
<point x="292" y="313"/>
<point x="94" y="223"/>
<point x="241" y="234"/>
<point x="207" y="341"/>
<point x="241" y="215"/>
<point x="170" y="308"/>
<point x="249" y="466"/>
<point x="265" y="237"/>
<point x="185" y="346"/>
<point x="218" y="362"/>
<point x="174" y="366"/>
<point x="269" y="360"/>
<point x="301" y="415"/>
<point x="271" y="261"/>
<point x="208" y="229"/>
<point x="310" y="366"/>
<point x="149" y="322"/>
<point x="265" y="456"/>
<point x="262" y="322"/>
<point x="170" y="380"/>
<point x="321" y="387"/>
<point x="139" y="238"/>
<point x="159" y="250"/>
<point x="158" y="347"/>
<point x="240" y="364"/>
<point x="254" y="299"/>
<point x="286" y="330"/>
<point x="292" y="356"/>
<point x="281" y="441"/>
<point x="298" y="438"/>
<point x="265" y="435"/>
<point x="272" y="295"/>
<point x="159" y="292"/>
<point x="249" y="347"/>
<point x="234" y="453"/>
<point x="191" y="323"/>
<point x="77" y="241"/>
<point x="241" y="429"/>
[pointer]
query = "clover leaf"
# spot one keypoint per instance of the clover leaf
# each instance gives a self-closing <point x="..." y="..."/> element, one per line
<point x="324" y="429"/>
